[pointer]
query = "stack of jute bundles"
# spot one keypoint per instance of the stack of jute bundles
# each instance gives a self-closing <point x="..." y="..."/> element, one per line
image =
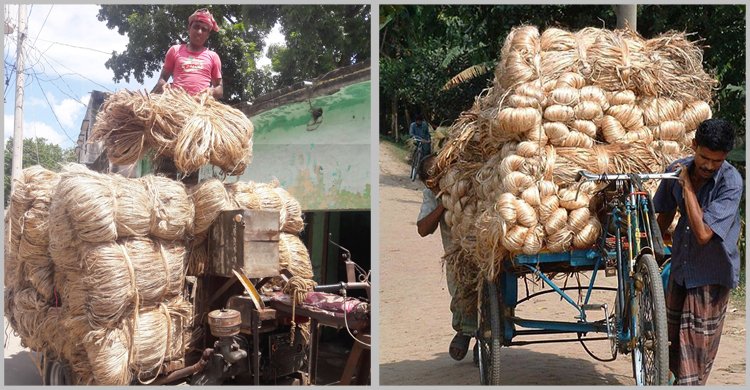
<point x="212" y="197"/>
<point x="29" y="272"/>
<point x="118" y="247"/>
<point x="193" y="131"/>
<point x="600" y="100"/>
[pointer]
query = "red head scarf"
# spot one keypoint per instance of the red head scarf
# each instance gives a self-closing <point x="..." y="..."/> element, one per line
<point x="202" y="15"/>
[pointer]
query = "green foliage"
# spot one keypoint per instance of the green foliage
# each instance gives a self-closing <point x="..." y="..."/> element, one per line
<point x="36" y="151"/>
<point x="319" y="39"/>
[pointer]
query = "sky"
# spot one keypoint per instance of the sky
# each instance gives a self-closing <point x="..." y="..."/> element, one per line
<point x="67" y="47"/>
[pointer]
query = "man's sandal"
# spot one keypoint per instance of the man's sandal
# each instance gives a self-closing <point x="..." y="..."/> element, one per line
<point x="459" y="346"/>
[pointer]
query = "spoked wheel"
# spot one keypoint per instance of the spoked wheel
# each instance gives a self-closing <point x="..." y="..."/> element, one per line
<point x="488" y="338"/>
<point x="57" y="373"/>
<point x="651" y="354"/>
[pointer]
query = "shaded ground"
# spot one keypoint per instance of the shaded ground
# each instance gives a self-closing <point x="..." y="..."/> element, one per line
<point x="415" y="318"/>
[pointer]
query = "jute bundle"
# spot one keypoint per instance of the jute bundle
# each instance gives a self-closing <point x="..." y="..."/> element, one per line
<point x="592" y="93"/>
<point x="123" y="276"/>
<point x="122" y="123"/>
<point x="41" y="276"/>
<point x="221" y="133"/>
<point x="197" y="259"/>
<point x="694" y="113"/>
<point x="137" y="348"/>
<point x="629" y="115"/>
<point x="586" y="236"/>
<point x="534" y="240"/>
<point x="586" y="127"/>
<point x="26" y="219"/>
<point x="487" y="176"/>
<point x="102" y="207"/>
<point x="677" y="68"/>
<point x="567" y="79"/>
<point x="194" y="131"/>
<point x="108" y="351"/>
<point x="662" y="109"/>
<point x="269" y="196"/>
<point x="90" y="207"/>
<point x="560" y="53"/>
<point x="559" y="113"/>
<point x="518" y="120"/>
<point x="29" y="311"/>
<point x="514" y="238"/>
<point x="209" y="199"/>
<point x="620" y="61"/>
<point x="172" y="212"/>
<point x="158" y="338"/>
<point x="670" y="131"/>
<point x="520" y="59"/>
<point x="293" y="255"/>
<point x="489" y="238"/>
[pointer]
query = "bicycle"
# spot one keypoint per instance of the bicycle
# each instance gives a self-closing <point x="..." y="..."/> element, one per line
<point x="628" y="248"/>
<point x="416" y="156"/>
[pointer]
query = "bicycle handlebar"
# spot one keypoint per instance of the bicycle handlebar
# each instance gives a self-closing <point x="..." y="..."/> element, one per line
<point x="417" y="139"/>
<point x="588" y="176"/>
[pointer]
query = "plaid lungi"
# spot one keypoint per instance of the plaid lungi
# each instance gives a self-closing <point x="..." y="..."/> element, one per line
<point x="695" y="318"/>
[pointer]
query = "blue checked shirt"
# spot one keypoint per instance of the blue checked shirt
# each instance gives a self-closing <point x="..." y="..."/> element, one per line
<point x="717" y="262"/>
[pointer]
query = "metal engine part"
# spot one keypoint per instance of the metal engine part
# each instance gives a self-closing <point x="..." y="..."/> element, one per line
<point x="224" y="322"/>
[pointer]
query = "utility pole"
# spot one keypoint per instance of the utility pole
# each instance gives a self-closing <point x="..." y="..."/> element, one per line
<point x="627" y="15"/>
<point x="17" y="166"/>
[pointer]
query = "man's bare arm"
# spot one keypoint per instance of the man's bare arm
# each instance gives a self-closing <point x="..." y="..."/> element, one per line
<point x="163" y="79"/>
<point x="429" y="224"/>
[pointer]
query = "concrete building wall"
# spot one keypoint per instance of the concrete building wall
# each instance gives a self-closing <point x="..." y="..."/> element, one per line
<point x="325" y="165"/>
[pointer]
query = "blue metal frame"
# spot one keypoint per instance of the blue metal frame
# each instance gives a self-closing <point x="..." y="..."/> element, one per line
<point x="631" y="214"/>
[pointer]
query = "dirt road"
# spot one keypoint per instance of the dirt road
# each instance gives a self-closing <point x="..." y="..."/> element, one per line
<point x="415" y="321"/>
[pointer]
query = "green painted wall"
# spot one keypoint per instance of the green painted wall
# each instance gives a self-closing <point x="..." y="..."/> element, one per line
<point x="324" y="166"/>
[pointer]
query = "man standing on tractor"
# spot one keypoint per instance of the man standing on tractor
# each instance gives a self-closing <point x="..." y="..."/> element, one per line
<point x="705" y="258"/>
<point x="431" y="215"/>
<point x="192" y="66"/>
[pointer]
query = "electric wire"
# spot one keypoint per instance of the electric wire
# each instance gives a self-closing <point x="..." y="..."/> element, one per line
<point x="54" y="113"/>
<point x="43" y="23"/>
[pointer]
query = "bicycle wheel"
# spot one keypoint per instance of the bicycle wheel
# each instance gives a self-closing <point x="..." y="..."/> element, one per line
<point x="415" y="157"/>
<point x="57" y="373"/>
<point x="651" y="353"/>
<point x="489" y="338"/>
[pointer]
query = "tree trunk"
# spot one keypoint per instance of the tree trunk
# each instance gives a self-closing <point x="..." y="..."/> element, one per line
<point x="394" y="117"/>
<point x="408" y="119"/>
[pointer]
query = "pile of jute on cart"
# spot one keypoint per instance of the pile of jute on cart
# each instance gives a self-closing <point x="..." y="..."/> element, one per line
<point x="598" y="100"/>
<point x="95" y="263"/>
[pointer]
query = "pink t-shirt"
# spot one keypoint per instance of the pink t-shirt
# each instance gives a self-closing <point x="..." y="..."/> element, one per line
<point x="193" y="71"/>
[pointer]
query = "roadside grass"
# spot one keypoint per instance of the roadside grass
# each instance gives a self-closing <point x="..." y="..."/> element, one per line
<point x="401" y="150"/>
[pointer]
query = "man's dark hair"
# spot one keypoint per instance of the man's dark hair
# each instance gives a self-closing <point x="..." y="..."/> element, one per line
<point x="423" y="174"/>
<point x="715" y="134"/>
<point x="418" y="117"/>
